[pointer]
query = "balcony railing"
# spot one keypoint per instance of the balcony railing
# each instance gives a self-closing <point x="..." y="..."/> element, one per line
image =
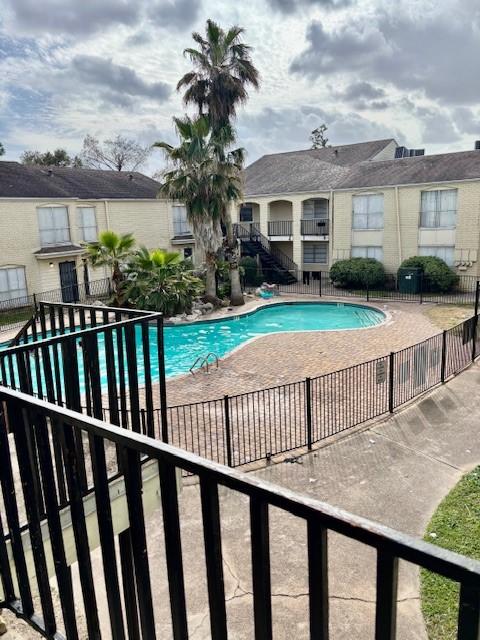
<point x="280" y="228"/>
<point x="315" y="227"/>
<point x="52" y="442"/>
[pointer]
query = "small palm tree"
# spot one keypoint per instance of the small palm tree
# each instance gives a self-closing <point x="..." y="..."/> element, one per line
<point x="203" y="178"/>
<point x="112" y="251"/>
<point x="160" y="281"/>
<point x="218" y="83"/>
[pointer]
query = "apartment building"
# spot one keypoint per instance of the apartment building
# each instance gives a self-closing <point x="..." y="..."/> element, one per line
<point x="373" y="199"/>
<point x="48" y="214"/>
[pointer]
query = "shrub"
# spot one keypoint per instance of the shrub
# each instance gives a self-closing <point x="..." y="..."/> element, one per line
<point x="161" y="281"/>
<point x="250" y="268"/>
<point x="357" y="273"/>
<point x="437" y="275"/>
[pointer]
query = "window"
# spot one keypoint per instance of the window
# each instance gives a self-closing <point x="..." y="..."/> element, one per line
<point x="315" y="209"/>
<point x="87" y="223"/>
<point x="438" y="209"/>
<point x="246" y="213"/>
<point x="12" y="283"/>
<point x="368" y="211"/>
<point x="445" y="253"/>
<point x="315" y="252"/>
<point x="180" y="222"/>
<point x="368" y="252"/>
<point x="53" y="225"/>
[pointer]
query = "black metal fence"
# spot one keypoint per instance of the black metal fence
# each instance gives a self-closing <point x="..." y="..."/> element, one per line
<point x="54" y="318"/>
<point x="118" y="583"/>
<point x="15" y="312"/>
<point x="93" y="360"/>
<point x="240" y="429"/>
<point x="319" y="283"/>
<point x="109" y="363"/>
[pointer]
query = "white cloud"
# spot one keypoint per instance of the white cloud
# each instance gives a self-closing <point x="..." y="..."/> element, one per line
<point x="368" y="70"/>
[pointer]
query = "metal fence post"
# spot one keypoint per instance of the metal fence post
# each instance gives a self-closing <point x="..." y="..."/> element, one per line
<point x="320" y="285"/>
<point x="35" y="306"/>
<point x="228" y="433"/>
<point x="421" y="287"/>
<point x="475" y="322"/>
<point x="162" y="379"/>
<point x="308" y="406"/>
<point x="391" y="382"/>
<point x="368" y="290"/>
<point x="444" y="356"/>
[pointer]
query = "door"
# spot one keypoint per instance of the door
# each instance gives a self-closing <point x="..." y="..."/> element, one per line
<point x="68" y="281"/>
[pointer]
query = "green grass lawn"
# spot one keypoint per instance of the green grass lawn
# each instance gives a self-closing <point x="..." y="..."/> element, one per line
<point x="15" y="315"/>
<point x="456" y="526"/>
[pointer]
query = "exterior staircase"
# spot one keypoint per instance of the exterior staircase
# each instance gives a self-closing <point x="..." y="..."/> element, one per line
<point x="275" y="263"/>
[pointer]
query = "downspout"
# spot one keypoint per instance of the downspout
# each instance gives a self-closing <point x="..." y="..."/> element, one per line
<point x="107" y="220"/>
<point x="107" y="214"/>
<point x="399" y="235"/>
<point x="330" y="237"/>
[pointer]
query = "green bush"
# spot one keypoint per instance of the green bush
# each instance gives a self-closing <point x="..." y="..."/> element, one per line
<point x="438" y="277"/>
<point x="357" y="273"/>
<point x="250" y="267"/>
<point x="161" y="281"/>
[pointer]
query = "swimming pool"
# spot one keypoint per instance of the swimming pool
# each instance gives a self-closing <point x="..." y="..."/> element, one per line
<point x="184" y="343"/>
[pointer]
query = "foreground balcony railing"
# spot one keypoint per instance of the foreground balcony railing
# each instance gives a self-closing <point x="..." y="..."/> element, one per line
<point x="314" y="227"/>
<point x="52" y="443"/>
<point x="280" y="228"/>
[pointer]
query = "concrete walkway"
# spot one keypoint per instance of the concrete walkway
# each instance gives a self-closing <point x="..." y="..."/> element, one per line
<point x="395" y="472"/>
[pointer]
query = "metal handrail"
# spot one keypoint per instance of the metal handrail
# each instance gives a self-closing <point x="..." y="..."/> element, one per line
<point x="254" y="234"/>
<point x="319" y="518"/>
<point x="203" y="361"/>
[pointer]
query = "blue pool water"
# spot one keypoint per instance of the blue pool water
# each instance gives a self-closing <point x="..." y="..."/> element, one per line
<point x="185" y="343"/>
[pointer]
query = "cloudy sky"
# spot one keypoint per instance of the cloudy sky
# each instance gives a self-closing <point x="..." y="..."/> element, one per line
<point x="367" y="68"/>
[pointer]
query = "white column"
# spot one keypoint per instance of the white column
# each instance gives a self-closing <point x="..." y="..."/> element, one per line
<point x="263" y="217"/>
<point x="297" y="238"/>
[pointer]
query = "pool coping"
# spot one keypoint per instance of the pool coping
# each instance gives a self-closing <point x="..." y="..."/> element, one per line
<point x="261" y="305"/>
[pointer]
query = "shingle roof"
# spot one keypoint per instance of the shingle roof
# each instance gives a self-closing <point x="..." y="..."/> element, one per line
<point x="308" y="170"/>
<point x="354" y="166"/>
<point x="21" y="181"/>
<point x="290" y="173"/>
<point x="444" y="167"/>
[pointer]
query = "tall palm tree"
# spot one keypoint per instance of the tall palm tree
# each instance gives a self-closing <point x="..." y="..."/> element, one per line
<point x="111" y="251"/>
<point x="222" y="72"/>
<point x="203" y="179"/>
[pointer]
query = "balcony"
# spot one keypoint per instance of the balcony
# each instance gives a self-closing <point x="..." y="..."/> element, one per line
<point x="314" y="227"/>
<point x="103" y="511"/>
<point x="282" y="228"/>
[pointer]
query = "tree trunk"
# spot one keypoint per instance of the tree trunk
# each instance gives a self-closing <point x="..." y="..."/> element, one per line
<point x="210" y="279"/>
<point x="232" y="255"/>
<point x="236" y="294"/>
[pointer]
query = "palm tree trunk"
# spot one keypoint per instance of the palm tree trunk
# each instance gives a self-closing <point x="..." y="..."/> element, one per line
<point x="210" y="277"/>
<point x="232" y="254"/>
